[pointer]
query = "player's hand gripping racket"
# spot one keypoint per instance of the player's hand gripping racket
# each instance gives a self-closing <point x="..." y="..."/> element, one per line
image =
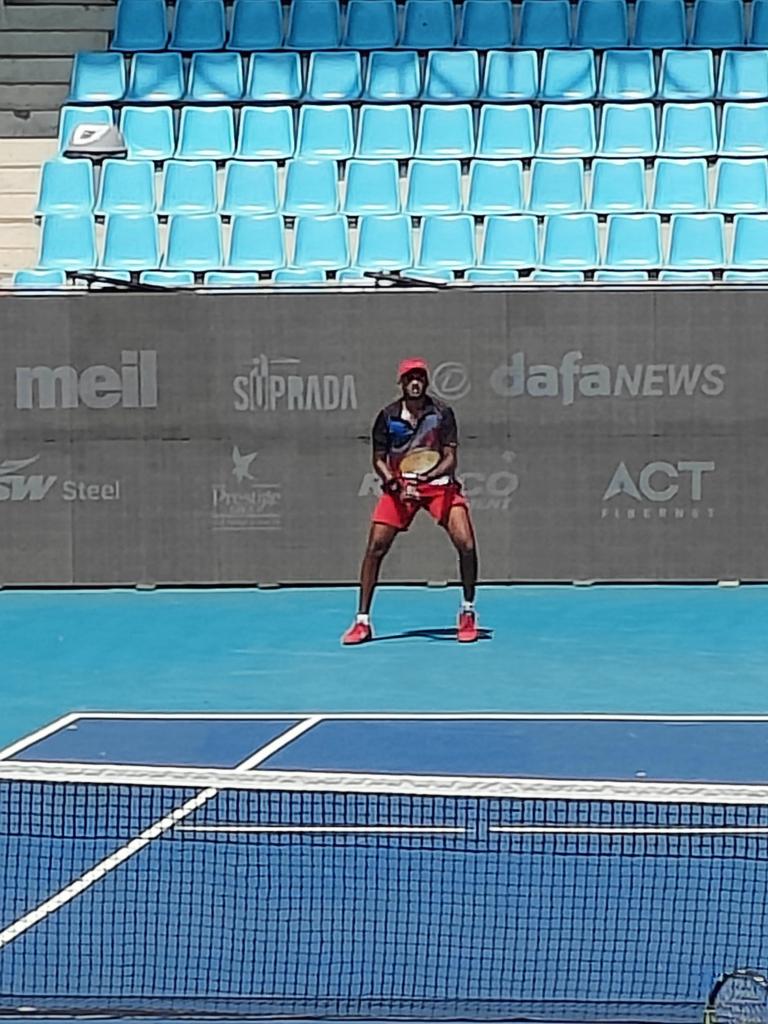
<point x="413" y="467"/>
<point x="739" y="997"/>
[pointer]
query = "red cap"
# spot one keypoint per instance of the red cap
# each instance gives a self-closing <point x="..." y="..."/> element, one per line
<point x="414" y="363"/>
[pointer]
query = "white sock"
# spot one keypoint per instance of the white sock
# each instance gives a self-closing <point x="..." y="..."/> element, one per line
<point x="364" y="619"/>
<point x="467" y="606"/>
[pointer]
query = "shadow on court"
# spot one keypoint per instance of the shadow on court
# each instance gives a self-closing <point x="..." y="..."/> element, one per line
<point x="431" y="634"/>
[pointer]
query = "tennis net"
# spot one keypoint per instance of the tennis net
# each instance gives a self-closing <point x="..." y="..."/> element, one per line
<point x="185" y="892"/>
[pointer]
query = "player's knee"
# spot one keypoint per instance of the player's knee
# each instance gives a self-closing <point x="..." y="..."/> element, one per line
<point x="465" y="544"/>
<point x="378" y="547"/>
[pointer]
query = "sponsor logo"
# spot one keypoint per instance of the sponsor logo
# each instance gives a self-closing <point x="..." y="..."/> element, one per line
<point x="242" y="502"/>
<point x="85" y="134"/>
<point x="279" y="384"/>
<point x="133" y="386"/>
<point x="450" y="381"/>
<point x="658" y="490"/>
<point x="18" y="485"/>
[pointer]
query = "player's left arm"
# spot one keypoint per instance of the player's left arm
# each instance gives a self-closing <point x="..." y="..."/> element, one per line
<point x="449" y="440"/>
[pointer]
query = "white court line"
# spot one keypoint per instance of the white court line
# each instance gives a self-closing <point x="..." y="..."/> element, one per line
<point x="390" y="830"/>
<point x="628" y="830"/>
<point x="441" y="716"/>
<point x="39" y="734"/>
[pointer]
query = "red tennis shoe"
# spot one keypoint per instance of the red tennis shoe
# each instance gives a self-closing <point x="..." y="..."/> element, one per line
<point x="467" y="632"/>
<point x="358" y="633"/>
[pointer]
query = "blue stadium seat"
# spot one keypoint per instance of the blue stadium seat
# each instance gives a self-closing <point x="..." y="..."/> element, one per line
<point x="71" y="118"/>
<point x="313" y="25"/>
<point x="67" y="242"/>
<point x="334" y="76"/>
<point x="687" y="130"/>
<point x="39" y="279"/>
<point x="372" y="186"/>
<point x="206" y="133"/>
<point x="620" y="276"/>
<point x="428" y="24"/>
<point x="250" y="188"/>
<point x="750" y="241"/>
<point x="384" y="242"/>
<point x="601" y="23"/>
<point x="659" y="23"/>
<point x="486" y="24"/>
<point x="484" y="275"/>
<point x="758" y="34"/>
<point x="570" y="242"/>
<point x="568" y="75"/>
<point x="198" y="25"/>
<point x="696" y="241"/>
<point x="627" y="75"/>
<point x="257" y="243"/>
<point x="743" y="75"/>
<point x="256" y="25"/>
<point x="274" y="76"/>
<point x="448" y="241"/>
<point x="618" y="186"/>
<point x="741" y="186"/>
<point x="744" y="129"/>
<point x="168" y="278"/>
<point x="434" y="186"/>
<point x="299" y="275"/>
<point x="266" y="133"/>
<point x="505" y="133"/>
<point x="371" y="24"/>
<point x="510" y="75"/>
<point x="746" y="276"/>
<point x="545" y="23"/>
<point x="156" y="78"/>
<point x="66" y="186"/>
<point x="429" y="273"/>
<point x="325" y="132"/>
<point x="385" y="132"/>
<point x="633" y="241"/>
<point x="557" y="276"/>
<point x="445" y="131"/>
<point x="510" y="242"/>
<point x="685" y="276"/>
<point x="393" y="76"/>
<point x="126" y="186"/>
<point x="567" y="130"/>
<point x="148" y="132"/>
<point x="231" y="279"/>
<point x="495" y="187"/>
<point x="215" y="77"/>
<point x="557" y="186"/>
<point x="194" y="242"/>
<point x="628" y="129"/>
<point x="680" y="186"/>
<point x="321" y="242"/>
<point x="140" y="25"/>
<point x="687" y="75"/>
<point x="311" y="187"/>
<point x="718" y="23"/>
<point x="97" y="78"/>
<point x="452" y="74"/>
<point x="353" y="275"/>
<point x="189" y="186"/>
<point x="130" y="242"/>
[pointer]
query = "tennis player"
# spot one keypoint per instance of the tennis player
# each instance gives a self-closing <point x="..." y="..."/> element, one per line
<point x="414" y="454"/>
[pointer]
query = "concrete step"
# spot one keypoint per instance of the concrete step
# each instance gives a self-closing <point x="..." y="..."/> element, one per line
<point x="15" y="205"/>
<point x="26" y="153"/>
<point x="35" y="70"/>
<point x="49" y="43"/>
<point x="17" y="259"/>
<point x="34" y="124"/>
<point x="45" y="17"/>
<point x="18" y="181"/>
<point x="33" y="97"/>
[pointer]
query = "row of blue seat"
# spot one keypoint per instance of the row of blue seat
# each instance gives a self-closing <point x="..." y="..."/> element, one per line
<point x="312" y="187"/>
<point x="432" y="24"/>
<point x="443" y="76"/>
<point x="399" y="131"/>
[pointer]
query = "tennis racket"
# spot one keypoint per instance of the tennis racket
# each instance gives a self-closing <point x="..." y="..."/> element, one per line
<point x="419" y="461"/>
<point x="739" y="997"/>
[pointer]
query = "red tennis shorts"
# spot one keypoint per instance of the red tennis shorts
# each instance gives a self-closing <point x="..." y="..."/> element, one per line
<point x="438" y="501"/>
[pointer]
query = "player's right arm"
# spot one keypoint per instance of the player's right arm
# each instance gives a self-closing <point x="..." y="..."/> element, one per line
<point x="380" y="442"/>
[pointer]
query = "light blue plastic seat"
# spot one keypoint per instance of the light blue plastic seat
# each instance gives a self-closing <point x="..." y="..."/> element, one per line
<point x="97" y="78"/>
<point x="325" y="132"/>
<point x="495" y="187"/>
<point x="696" y="241"/>
<point x="567" y="130"/>
<point x="311" y="187"/>
<point x="313" y="25"/>
<point x="194" y="242"/>
<point x="168" y="278"/>
<point x="274" y="76"/>
<point x="445" y="132"/>
<point x="215" y="77"/>
<point x="680" y="186"/>
<point x="627" y="130"/>
<point x="484" y="275"/>
<point x="140" y="25"/>
<point x="354" y="275"/>
<point x="231" y="279"/>
<point x="685" y="276"/>
<point x="687" y="75"/>
<point x="71" y="118"/>
<point x="206" y="133"/>
<point x="570" y="242"/>
<point x="429" y="273"/>
<point x="758" y="33"/>
<point x="189" y="186"/>
<point x="452" y="74"/>
<point x="385" y="132"/>
<point x="510" y="75"/>
<point x="557" y="186"/>
<point x="618" y="186"/>
<point x="510" y="242"/>
<point x="568" y="75"/>
<point x="620" y="276"/>
<point x="257" y="243"/>
<point x="434" y="187"/>
<point x="266" y="133"/>
<point x="372" y="186"/>
<point x="557" y="276"/>
<point x="371" y="24"/>
<point x="744" y="129"/>
<point x="659" y="23"/>
<point x="505" y="132"/>
<point x="299" y="275"/>
<point x="428" y="24"/>
<point x="130" y="242"/>
<point x="256" y="25"/>
<point x="321" y="242"/>
<point x="250" y="187"/>
<point x="148" y="132"/>
<point x="687" y="130"/>
<point x="743" y="75"/>
<point x="750" y="241"/>
<point x="601" y="23"/>
<point x="627" y="75"/>
<point x="718" y="23"/>
<point x="486" y="24"/>
<point x="746" y="276"/>
<point x="545" y="23"/>
<point x="334" y="77"/>
<point x="393" y="77"/>
<point x="126" y="186"/>
<point x="198" y="25"/>
<point x="66" y="186"/>
<point x="741" y="186"/>
<point x="67" y="242"/>
<point x="43" y="279"/>
<point x="633" y="241"/>
<point x="156" y="78"/>
<point x="384" y="242"/>
<point x="448" y="241"/>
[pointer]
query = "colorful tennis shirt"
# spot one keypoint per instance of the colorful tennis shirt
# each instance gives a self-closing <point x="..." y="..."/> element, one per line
<point x="395" y="436"/>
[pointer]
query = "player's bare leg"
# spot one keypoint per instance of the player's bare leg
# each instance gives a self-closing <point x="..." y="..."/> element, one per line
<point x="380" y="540"/>
<point x="459" y="529"/>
